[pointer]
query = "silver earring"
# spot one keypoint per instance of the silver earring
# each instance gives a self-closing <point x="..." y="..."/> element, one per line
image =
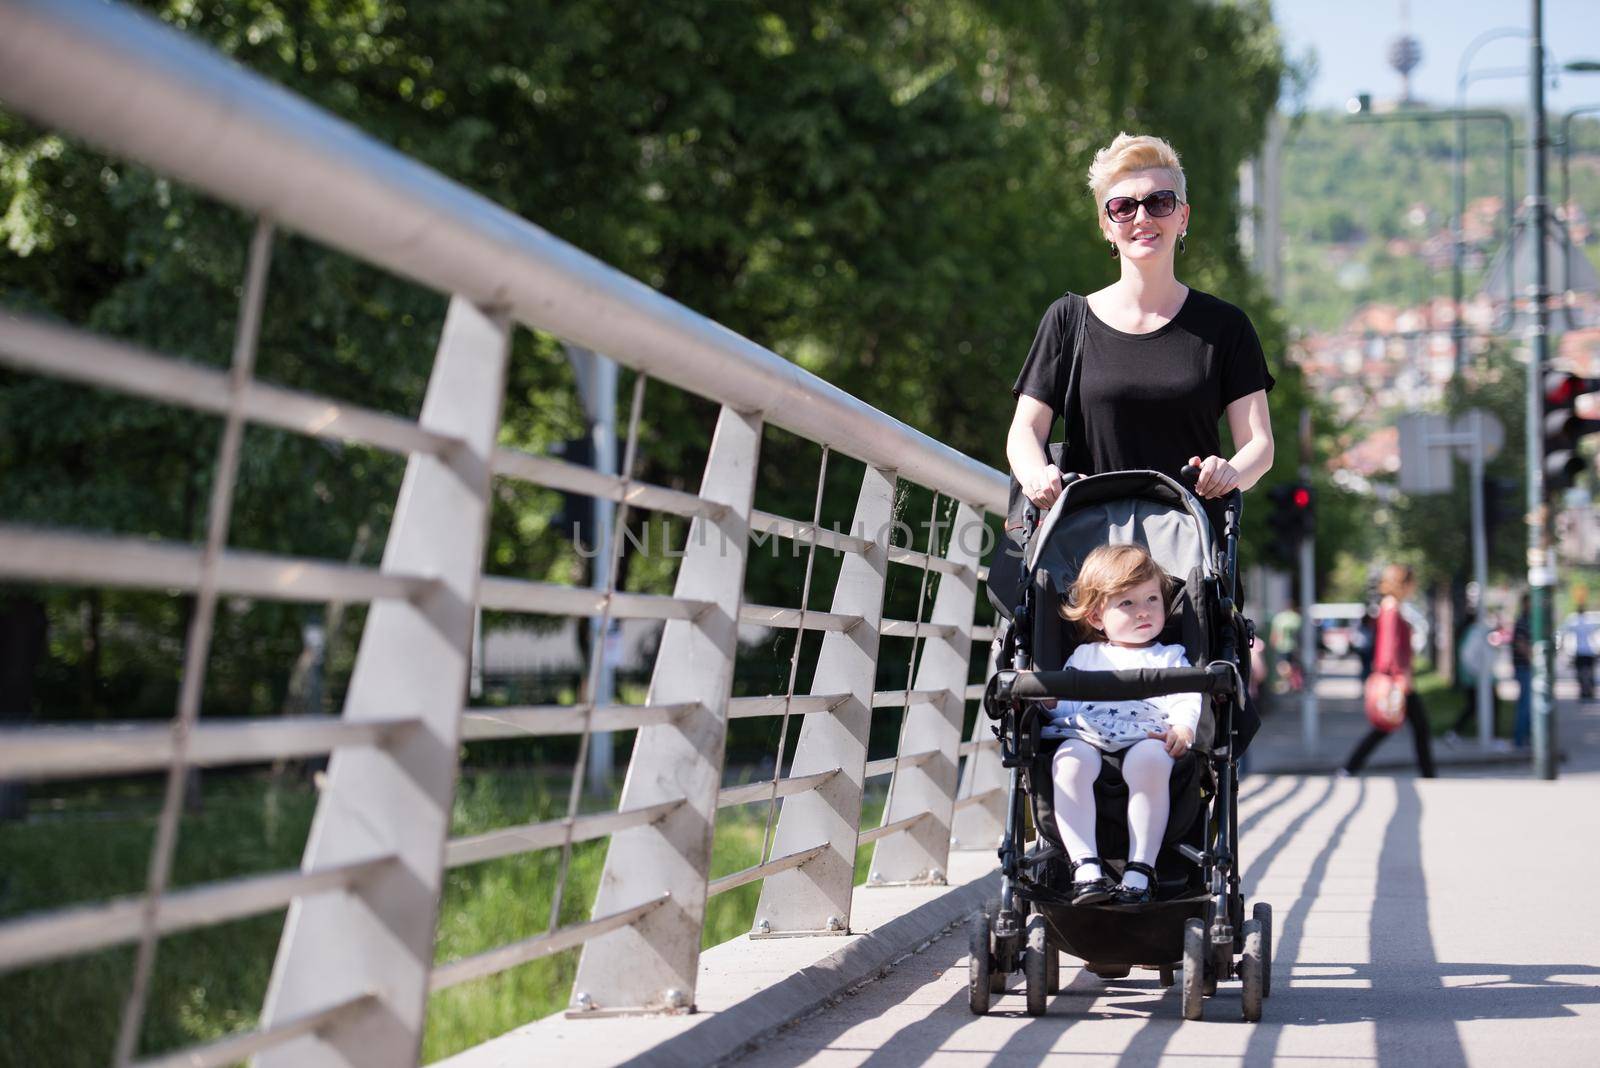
<point x="1113" y="245"/>
<point x="1181" y="245"/>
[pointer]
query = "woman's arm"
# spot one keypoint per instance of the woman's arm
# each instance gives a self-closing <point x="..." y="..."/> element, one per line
<point x="1030" y="426"/>
<point x="1251" y="425"/>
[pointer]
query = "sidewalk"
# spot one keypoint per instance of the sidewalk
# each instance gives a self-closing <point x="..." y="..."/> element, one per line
<point x="1341" y="723"/>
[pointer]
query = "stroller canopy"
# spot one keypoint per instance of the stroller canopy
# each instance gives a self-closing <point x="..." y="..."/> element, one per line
<point x="1118" y="508"/>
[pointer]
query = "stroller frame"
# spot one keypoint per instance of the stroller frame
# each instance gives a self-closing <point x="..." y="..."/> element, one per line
<point x="1203" y="931"/>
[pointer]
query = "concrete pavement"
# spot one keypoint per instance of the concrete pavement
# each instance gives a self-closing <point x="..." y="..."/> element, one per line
<point x="1435" y="922"/>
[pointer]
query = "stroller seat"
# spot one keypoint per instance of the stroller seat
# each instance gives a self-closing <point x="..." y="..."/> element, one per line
<point x="1197" y="920"/>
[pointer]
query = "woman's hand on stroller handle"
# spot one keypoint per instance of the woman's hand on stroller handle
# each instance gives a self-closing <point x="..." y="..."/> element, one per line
<point x="1042" y="487"/>
<point x="1210" y="477"/>
<point x="1176" y="740"/>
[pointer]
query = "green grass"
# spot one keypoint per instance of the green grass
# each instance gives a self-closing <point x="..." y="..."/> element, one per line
<point x="1444" y="704"/>
<point x="210" y="983"/>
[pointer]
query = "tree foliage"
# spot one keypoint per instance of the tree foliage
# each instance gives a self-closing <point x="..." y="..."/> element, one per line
<point x="889" y="195"/>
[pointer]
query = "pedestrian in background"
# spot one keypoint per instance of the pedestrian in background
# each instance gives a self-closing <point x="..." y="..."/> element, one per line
<point x="1365" y="636"/>
<point x="1522" y="667"/>
<point x="1582" y="632"/>
<point x="1474" y="657"/>
<point x="1391" y="655"/>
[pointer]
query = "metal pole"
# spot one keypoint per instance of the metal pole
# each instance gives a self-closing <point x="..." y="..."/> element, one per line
<point x="1308" y="632"/>
<point x="1458" y="232"/>
<point x="1480" y="575"/>
<point x="602" y="404"/>
<point x="1541" y="563"/>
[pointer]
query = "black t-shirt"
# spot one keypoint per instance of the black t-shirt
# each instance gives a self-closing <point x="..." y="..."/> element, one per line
<point x="1147" y="401"/>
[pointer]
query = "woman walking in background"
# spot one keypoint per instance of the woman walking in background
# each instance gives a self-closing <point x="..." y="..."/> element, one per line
<point x="1391" y="656"/>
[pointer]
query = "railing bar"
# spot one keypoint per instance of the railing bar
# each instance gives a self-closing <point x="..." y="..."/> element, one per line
<point x="903" y="555"/>
<point x="973" y="692"/>
<point x="757" y="791"/>
<point x="53" y="556"/>
<point x="884" y="765"/>
<point x="77" y="355"/>
<point x="813" y="533"/>
<point x="794" y="618"/>
<point x="553" y="599"/>
<point x="510" y="841"/>
<point x="235" y="1048"/>
<point x="494" y="961"/>
<point x="911" y="663"/>
<point x="597" y="650"/>
<point x="886" y="829"/>
<point x="794" y="657"/>
<point x="802" y="704"/>
<point x="39" y="752"/>
<point x="198" y="641"/>
<point x="537" y="721"/>
<point x="906" y="628"/>
<point x="890" y="698"/>
<point x="34" y="938"/>
<point x="982" y="634"/>
<point x="576" y="478"/>
<point x="761" y="871"/>
<point x="978" y="798"/>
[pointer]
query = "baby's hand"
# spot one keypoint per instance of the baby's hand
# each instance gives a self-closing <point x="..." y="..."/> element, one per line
<point x="1176" y="739"/>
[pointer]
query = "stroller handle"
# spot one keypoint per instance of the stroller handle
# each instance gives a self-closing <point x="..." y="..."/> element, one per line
<point x="1074" y="684"/>
<point x="1189" y="475"/>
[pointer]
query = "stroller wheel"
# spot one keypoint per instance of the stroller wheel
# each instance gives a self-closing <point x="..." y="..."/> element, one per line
<point x="1262" y="914"/>
<point x="979" y="965"/>
<point x="1167" y="976"/>
<point x="1251" y="971"/>
<point x="1052" y="970"/>
<point x="1036" y="964"/>
<point x="1194" y="969"/>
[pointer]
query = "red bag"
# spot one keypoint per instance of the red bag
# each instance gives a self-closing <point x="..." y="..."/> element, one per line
<point x="1384" y="698"/>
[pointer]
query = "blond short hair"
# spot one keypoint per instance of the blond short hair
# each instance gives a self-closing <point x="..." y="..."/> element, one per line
<point x="1130" y="153"/>
<point x="1106" y="572"/>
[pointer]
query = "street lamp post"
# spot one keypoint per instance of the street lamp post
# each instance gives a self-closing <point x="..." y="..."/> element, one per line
<point x="1459" y="186"/>
<point x="1541" y="563"/>
<point x="1565" y="141"/>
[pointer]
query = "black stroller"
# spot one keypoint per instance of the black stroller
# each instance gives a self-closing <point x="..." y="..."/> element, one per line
<point x="1196" y="922"/>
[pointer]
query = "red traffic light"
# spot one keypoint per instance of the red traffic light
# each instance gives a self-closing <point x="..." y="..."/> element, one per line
<point x="1561" y="388"/>
<point x="1301" y="497"/>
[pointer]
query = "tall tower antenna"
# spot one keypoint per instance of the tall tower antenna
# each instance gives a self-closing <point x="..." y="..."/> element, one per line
<point x="1405" y="52"/>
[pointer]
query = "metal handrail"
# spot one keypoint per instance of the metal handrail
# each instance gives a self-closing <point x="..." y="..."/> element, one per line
<point x="128" y="84"/>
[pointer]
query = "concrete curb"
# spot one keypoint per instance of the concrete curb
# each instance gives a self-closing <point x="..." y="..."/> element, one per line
<point x="750" y="988"/>
<point x="736" y="1029"/>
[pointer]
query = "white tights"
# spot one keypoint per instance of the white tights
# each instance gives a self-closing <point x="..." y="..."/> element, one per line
<point x="1146" y="768"/>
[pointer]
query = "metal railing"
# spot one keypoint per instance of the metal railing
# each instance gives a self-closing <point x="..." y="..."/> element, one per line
<point x="355" y="964"/>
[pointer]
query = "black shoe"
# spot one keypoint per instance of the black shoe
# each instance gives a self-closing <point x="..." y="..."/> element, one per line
<point x="1090" y="891"/>
<point x="1135" y="897"/>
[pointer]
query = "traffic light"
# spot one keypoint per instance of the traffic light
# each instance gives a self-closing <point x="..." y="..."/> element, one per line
<point x="1499" y="505"/>
<point x="1291" y="518"/>
<point x="1305" y="516"/>
<point x="1563" y="428"/>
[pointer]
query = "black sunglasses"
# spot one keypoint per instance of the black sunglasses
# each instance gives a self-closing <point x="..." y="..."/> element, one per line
<point x="1157" y="205"/>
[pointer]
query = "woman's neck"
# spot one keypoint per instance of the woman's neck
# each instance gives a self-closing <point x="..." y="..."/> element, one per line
<point x="1152" y="288"/>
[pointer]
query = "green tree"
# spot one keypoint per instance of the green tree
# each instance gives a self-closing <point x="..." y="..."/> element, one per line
<point x="888" y="195"/>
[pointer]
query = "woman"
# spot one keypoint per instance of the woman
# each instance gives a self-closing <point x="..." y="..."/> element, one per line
<point x="1161" y="363"/>
<point x="1391" y="655"/>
